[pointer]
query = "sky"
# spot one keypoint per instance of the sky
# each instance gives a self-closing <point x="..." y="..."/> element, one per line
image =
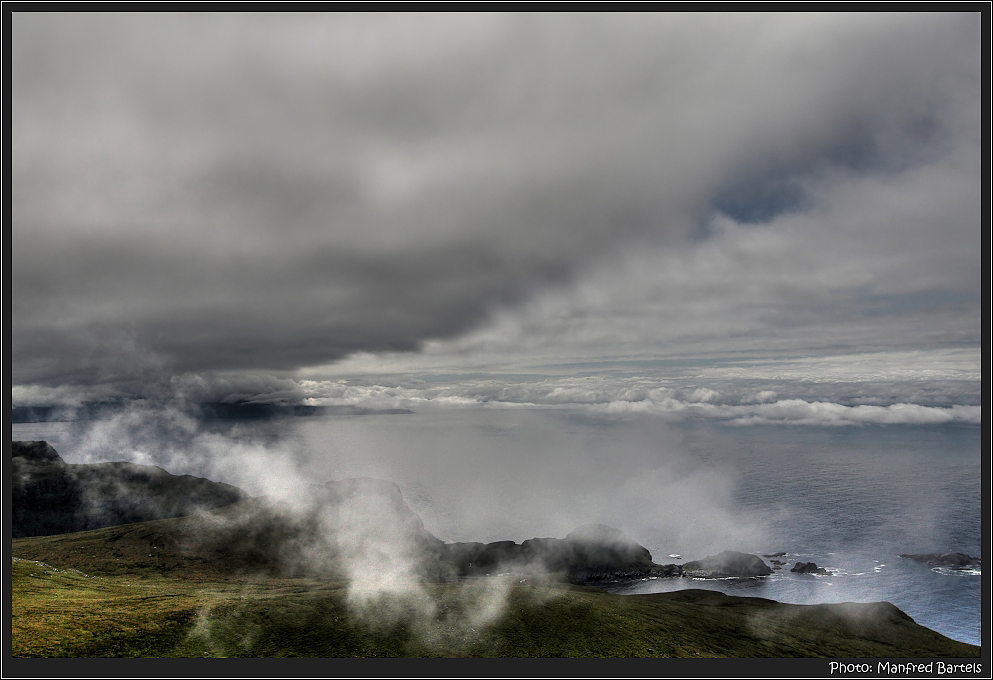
<point x="756" y="218"/>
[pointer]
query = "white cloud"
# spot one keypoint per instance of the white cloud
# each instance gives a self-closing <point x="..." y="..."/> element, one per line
<point x="666" y="397"/>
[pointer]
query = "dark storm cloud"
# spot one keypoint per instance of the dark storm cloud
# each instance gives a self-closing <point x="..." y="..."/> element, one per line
<point x="195" y="193"/>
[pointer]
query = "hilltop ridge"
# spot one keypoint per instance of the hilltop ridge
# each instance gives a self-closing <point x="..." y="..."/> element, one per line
<point x="50" y="496"/>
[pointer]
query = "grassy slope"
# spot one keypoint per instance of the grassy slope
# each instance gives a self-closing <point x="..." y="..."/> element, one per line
<point x="129" y="604"/>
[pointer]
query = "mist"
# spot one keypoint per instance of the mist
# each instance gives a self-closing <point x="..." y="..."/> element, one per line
<point x="472" y="474"/>
<point x="714" y="280"/>
<point x="850" y="498"/>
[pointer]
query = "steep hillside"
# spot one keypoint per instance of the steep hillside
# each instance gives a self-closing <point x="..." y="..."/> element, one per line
<point x="50" y="496"/>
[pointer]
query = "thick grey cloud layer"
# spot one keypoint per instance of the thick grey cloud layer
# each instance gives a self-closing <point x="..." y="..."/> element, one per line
<point x="269" y="192"/>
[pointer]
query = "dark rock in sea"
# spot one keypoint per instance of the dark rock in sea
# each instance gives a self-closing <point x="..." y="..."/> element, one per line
<point x="728" y="564"/>
<point x="598" y="552"/>
<point x="494" y="557"/>
<point x="777" y="554"/>
<point x="49" y="496"/>
<point x="666" y="571"/>
<point x="954" y="560"/>
<point x="809" y="568"/>
<point x="594" y="552"/>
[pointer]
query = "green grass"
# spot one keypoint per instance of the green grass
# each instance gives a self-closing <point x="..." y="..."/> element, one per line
<point x="139" y="590"/>
<point x="66" y="613"/>
<point x="60" y="612"/>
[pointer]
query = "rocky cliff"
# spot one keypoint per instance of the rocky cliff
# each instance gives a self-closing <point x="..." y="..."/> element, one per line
<point x="50" y="496"/>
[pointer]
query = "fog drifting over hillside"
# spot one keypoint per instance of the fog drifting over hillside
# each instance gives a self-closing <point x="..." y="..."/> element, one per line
<point x="621" y="268"/>
<point x="277" y="203"/>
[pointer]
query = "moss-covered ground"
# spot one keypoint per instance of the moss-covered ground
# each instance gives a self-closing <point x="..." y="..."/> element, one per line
<point x="58" y="611"/>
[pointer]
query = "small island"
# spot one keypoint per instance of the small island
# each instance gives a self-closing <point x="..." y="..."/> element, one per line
<point x="951" y="560"/>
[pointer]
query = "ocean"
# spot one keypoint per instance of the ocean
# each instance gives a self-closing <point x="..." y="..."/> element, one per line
<point x="850" y="498"/>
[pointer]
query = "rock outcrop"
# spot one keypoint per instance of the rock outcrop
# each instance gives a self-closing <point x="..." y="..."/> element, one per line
<point x="954" y="560"/>
<point x="594" y="552"/>
<point x="50" y="496"/>
<point x="809" y="568"/>
<point x="35" y="452"/>
<point x="728" y="564"/>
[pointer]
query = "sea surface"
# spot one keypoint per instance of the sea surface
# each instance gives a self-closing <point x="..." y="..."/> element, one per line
<point x="850" y="498"/>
